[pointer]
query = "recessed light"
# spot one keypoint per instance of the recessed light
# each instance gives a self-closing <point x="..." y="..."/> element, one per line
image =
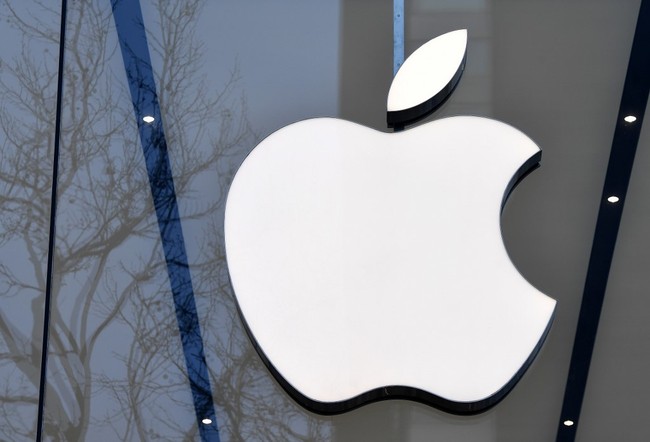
<point x="613" y="199"/>
<point x="148" y="119"/>
<point x="568" y="423"/>
<point x="207" y="421"/>
<point x="630" y="118"/>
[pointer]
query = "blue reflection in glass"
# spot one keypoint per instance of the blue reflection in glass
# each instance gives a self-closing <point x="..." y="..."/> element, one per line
<point x="398" y="35"/>
<point x="137" y="63"/>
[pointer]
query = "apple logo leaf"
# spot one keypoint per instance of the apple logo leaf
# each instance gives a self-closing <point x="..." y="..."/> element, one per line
<point x="426" y="79"/>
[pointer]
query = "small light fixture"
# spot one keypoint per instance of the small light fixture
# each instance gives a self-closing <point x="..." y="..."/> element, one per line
<point x="630" y="118"/>
<point x="568" y="423"/>
<point x="148" y="119"/>
<point x="613" y="199"/>
<point x="207" y="421"/>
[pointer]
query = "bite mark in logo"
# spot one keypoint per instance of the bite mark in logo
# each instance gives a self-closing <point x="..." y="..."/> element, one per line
<point x="370" y="266"/>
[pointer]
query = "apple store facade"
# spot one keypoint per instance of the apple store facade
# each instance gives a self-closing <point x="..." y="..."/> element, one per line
<point x="123" y="123"/>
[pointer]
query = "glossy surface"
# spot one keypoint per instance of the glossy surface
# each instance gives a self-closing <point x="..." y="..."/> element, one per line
<point x="229" y="73"/>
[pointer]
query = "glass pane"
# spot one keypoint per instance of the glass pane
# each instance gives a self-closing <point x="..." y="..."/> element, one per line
<point x="117" y="369"/>
<point x="549" y="70"/>
<point x="28" y="78"/>
<point x="141" y="289"/>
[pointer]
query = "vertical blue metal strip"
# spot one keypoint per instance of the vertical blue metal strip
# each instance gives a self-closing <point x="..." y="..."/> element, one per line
<point x="398" y="34"/>
<point x="139" y="73"/>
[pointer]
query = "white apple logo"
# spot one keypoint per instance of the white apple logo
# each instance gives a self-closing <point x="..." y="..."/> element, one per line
<point x="370" y="266"/>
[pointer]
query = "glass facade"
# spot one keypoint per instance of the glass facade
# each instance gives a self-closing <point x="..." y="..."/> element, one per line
<point x="145" y="340"/>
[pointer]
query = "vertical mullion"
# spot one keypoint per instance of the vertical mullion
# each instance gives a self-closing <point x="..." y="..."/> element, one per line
<point x="52" y="229"/>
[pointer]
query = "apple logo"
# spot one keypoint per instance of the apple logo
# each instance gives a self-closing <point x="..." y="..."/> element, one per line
<point x="370" y="265"/>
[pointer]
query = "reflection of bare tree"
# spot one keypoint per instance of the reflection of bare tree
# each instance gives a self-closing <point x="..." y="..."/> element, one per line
<point x="115" y="361"/>
<point x="27" y="95"/>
